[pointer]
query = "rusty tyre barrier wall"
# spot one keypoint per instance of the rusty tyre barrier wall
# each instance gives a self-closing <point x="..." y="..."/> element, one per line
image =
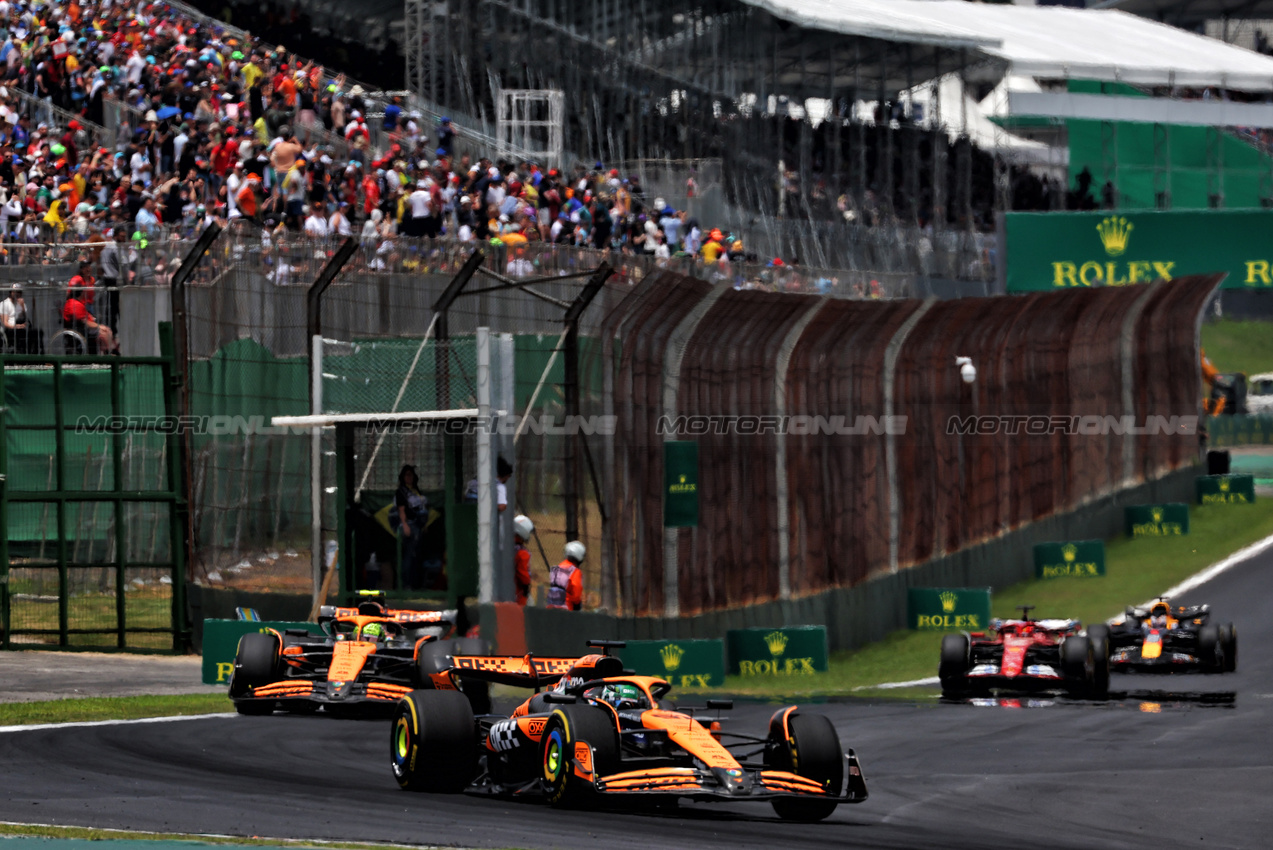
<point x="787" y="515"/>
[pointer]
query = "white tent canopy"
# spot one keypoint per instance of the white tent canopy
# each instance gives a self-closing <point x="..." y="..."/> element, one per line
<point x="1044" y="41"/>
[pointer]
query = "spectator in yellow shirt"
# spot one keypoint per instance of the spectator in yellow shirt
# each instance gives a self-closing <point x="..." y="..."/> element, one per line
<point x="712" y="248"/>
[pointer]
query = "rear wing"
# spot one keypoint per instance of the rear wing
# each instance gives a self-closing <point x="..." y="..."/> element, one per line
<point x="518" y="671"/>
<point x="446" y="617"/>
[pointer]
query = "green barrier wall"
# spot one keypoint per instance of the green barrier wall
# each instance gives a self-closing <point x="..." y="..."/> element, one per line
<point x="1166" y="520"/>
<point x="1232" y="489"/>
<point x="948" y="608"/>
<point x="221" y="642"/>
<point x="798" y="651"/>
<point x="1239" y="430"/>
<point x="684" y="663"/>
<point x="1073" y="558"/>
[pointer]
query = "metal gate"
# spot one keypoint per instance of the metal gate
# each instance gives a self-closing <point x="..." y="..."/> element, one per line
<point x="92" y="507"/>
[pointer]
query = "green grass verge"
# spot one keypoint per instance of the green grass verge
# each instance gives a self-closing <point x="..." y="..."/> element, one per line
<point x="26" y="830"/>
<point x="111" y="708"/>
<point x="1239" y="346"/>
<point x="1137" y="570"/>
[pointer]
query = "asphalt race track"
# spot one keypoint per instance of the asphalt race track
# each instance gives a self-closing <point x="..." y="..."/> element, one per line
<point x="1180" y="762"/>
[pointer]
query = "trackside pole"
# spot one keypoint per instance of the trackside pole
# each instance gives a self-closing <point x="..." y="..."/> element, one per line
<point x="485" y="503"/>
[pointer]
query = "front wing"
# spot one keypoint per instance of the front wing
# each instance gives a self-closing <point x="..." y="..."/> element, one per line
<point x="718" y="784"/>
<point x="327" y="693"/>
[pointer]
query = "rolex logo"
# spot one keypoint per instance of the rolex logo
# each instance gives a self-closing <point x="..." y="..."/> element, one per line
<point x="1069" y="551"/>
<point x="948" y="601"/>
<point x="682" y="479"/>
<point x="777" y="643"/>
<point x="1156" y="513"/>
<point x="1224" y="485"/>
<point x="1114" y="232"/>
<point x="672" y="655"/>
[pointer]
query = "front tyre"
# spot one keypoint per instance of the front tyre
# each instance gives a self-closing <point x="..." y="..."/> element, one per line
<point x="433" y="742"/>
<point x="568" y="726"/>
<point x="812" y="750"/>
<point x="1098" y="637"/>
<point x="953" y="669"/>
<point x="1078" y="665"/>
<point x="1229" y="646"/>
<point x="256" y="663"/>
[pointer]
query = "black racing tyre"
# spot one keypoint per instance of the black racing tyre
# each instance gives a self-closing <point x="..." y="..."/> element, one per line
<point x="812" y="751"/>
<point x="1209" y="651"/>
<point x="479" y="693"/>
<point x="569" y="725"/>
<point x="256" y="663"/>
<point x="955" y="661"/>
<point x="1098" y="637"/>
<point x="433" y="742"/>
<point x="1229" y="645"/>
<point x="1078" y="665"/>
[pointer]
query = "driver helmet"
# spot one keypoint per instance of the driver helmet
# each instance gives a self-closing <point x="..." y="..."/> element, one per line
<point x="373" y="632"/>
<point x="1158" y="615"/>
<point x="622" y="696"/>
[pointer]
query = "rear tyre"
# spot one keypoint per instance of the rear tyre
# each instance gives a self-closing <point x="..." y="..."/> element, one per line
<point x="479" y="693"/>
<point x="1209" y="651"/>
<point x="256" y="663"/>
<point x="1078" y="665"/>
<point x="955" y="661"/>
<point x="567" y="726"/>
<point x="812" y="751"/>
<point x="1229" y="645"/>
<point x="433" y="742"/>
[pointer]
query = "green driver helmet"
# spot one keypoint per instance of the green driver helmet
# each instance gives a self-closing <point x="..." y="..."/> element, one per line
<point x="373" y="631"/>
<point x="622" y="696"/>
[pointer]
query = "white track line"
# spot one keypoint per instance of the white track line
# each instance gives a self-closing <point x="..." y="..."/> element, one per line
<point x="931" y="680"/>
<point x="1196" y="580"/>
<point x="85" y="723"/>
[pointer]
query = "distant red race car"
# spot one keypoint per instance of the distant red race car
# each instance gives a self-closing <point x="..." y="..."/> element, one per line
<point x="1026" y="655"/>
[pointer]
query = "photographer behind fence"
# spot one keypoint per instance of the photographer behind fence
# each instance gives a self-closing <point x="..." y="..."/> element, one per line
<point x="19" y="333"/>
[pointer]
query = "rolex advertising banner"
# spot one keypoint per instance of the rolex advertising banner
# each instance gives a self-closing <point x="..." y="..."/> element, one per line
<point x="1058" y="250"/>
<point x="684" y="663"/>
<point x="1073" y="558"/>
<point x="221" y="642"/>
<point x="798" y="651"/>
<point x="680" y="484"/>
<point x="948" y="608"/>
<point x="1233" y="489"/>
<point x="1166" y="520"/>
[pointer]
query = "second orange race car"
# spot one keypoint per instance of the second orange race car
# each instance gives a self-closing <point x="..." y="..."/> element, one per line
<point x="366" y="660"/>
<point x="602" y="733"/>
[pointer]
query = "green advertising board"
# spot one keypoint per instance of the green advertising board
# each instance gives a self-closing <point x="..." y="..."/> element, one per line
<point x="1071" y="558"/>
<point x="797" y="651"/>
<point x="1166" y="520"/>
<point x="948" y="608"/>
<point x="680" y="484"/>
<point x="221" y="642"/>
<point x="1061" y="250"/>
<point x="1240" y="430"/>
<point x="1233" y="489"/>
<point x="684" y="663"/>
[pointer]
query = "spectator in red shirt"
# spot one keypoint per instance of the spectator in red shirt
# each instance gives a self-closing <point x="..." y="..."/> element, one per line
<point x="85" y="281"/>
<point x="76" y="317"/>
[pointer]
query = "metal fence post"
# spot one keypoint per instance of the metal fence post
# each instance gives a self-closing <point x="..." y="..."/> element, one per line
<point x="891" y="355"/>
<point x="314" y="326"/>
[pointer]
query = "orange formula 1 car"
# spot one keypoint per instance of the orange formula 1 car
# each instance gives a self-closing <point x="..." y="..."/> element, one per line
<point x="367" y="658"/>
<point x="602" y="734"/>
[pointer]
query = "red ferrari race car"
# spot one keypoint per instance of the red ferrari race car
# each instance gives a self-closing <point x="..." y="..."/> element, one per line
<point x="602" y="734"/>
<point x="366" y="659"/>
<point x="1026" y="655"/>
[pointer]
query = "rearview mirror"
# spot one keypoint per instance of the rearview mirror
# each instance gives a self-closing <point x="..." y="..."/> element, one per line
<point x="555" y="698"/>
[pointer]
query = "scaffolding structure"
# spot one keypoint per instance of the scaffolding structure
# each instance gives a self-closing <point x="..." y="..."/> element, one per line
<point x="529" y="124"/>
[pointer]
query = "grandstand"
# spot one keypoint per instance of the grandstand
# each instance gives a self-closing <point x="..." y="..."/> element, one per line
<point x="908" y="117"/>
